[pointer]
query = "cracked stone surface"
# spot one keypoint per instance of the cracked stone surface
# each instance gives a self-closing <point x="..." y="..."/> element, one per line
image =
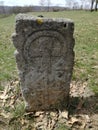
<point x="45" y="59"/>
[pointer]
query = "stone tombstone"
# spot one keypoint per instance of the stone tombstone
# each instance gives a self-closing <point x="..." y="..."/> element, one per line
<point x="45" y="58"/>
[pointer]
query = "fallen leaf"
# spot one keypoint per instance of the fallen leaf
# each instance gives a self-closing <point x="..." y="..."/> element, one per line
<point x="83" y="125"/>
<point x="95" y="67"/>
<point x="6" y="115"/>
<point x="87" y="118"/>
<point x="29" y="115"/>
<point x="39" y="124"/>
<point x="73" y="120"/>
<point x="22" y="121"/>
<point x="3" y="122"/>
<point x="53" y="114"/>
<point x="14" y="83"/>
<point x="53" y="123"/>
<point x="37" y="114"/>
<point x="4" y="97"/>
<point x="64" y="114"/>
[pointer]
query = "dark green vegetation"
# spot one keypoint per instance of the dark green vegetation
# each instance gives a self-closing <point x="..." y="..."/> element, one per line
<point x="86" y="48"/>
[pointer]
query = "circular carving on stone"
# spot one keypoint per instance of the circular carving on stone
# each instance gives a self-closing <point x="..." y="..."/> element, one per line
<point x="44" y="48"/>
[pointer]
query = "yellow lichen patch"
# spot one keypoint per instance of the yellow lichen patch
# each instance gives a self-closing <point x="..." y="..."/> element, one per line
<point x="39" y="21"/>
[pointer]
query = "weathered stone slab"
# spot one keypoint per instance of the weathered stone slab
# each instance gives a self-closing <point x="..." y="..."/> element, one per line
<point x="45" y="60"/>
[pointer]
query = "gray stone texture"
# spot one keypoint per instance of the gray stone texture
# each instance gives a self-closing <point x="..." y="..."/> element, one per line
<point x="44" y="56"/>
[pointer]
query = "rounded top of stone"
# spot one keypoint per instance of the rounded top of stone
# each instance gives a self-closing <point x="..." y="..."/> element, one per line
<point x="26" y="17"/>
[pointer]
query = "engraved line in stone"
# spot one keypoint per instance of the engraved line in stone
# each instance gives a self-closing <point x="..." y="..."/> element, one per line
<point x="41" y="35"/>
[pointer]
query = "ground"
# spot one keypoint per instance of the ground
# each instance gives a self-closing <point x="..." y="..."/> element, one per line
<point x="81" y="114"/>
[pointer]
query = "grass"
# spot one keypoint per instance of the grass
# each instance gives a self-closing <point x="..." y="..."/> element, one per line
<point x="7" y="60"/>
<point x="86" y="47"/>
<point x="62" y="127"/>
<point x="19" y="110"/>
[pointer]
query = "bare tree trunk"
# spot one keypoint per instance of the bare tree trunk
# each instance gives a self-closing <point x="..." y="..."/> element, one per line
<point x="96" y="5"/>
<point x="42" y="3"/>
<point x="92" y="3"/>
<point x="48" y="4"/>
